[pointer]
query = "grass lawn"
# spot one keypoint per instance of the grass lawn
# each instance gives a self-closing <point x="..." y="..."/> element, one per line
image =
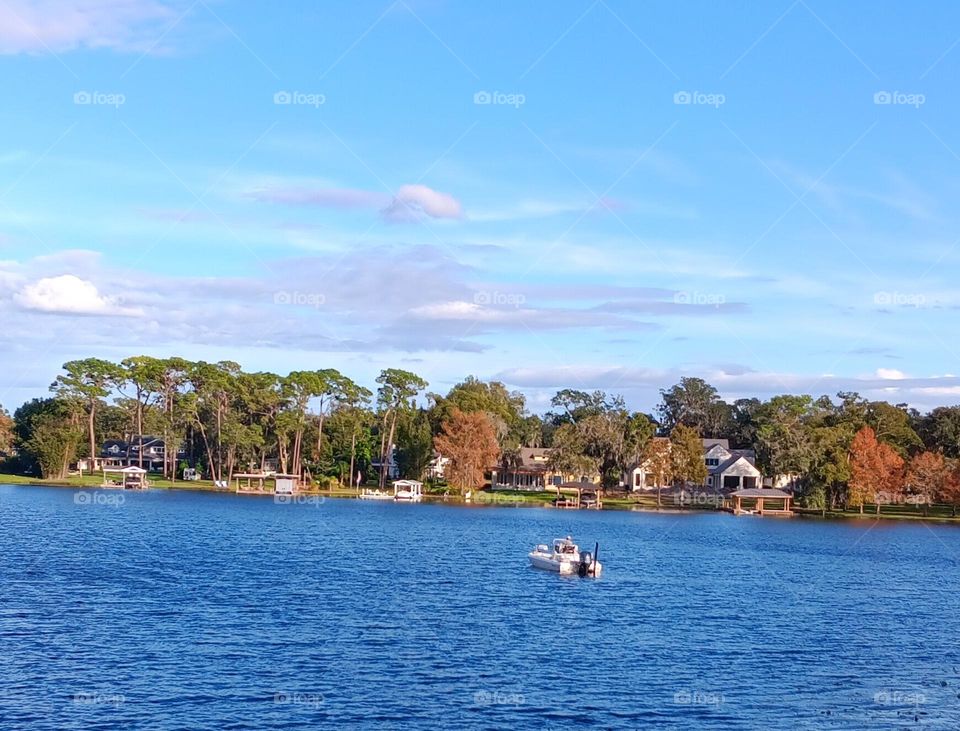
<point x="644" y="501"/>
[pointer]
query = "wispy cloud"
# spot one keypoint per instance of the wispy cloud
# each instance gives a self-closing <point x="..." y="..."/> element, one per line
<point x="57" y="26"/>
<point x="410" y="203"/>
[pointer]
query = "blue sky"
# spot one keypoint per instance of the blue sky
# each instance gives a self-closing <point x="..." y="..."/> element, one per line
<point x="581" y="194"/>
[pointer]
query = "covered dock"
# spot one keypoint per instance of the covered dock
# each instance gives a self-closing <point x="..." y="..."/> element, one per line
<point x="760" y="498"/>
<point x="257" y="483"/>
<point x="576" y="495"/>
<point x="129" y="478"/>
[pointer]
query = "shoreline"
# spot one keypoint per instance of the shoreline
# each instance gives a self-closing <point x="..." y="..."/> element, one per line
<point x="502" y="499"/>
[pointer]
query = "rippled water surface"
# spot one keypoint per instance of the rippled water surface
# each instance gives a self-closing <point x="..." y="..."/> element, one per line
<point x="178" y="610"/>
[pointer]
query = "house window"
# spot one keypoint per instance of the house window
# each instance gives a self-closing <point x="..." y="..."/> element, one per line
<point x="637" y="481"/>
<point x="712" y="461"/>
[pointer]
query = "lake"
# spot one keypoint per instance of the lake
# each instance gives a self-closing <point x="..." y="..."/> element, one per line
<point x="179" y="610"/>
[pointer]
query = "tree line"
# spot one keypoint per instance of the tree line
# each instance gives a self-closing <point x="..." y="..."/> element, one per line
<point x="327" y="428"/>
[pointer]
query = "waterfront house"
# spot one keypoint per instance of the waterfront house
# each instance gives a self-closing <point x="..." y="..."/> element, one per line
<point x="530" y="470"/>
<point x="148" y="450"/>
<point x="638" y="477"/>
<point x="437" y="469"/>
<point x="393" y="469"/>
<point x="729" y="469"/>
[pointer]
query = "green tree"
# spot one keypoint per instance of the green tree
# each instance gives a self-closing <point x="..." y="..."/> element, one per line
<point x="784" y="440"/>
<point x="397" y="389"/>
<point x="88" y="382"/>
<point x="48" y="433"/>
<point x="686" y="456"/>
<point x="143" y="375"/>
<point x="414" y="443"/>
<point x="695" y="403"/>
<point x="940" y="430"/>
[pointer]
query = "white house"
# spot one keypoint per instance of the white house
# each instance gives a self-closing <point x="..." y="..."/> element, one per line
<point x="437" y="469"/>
<point x="729" y="469"/>
<point x="638" y="477"/>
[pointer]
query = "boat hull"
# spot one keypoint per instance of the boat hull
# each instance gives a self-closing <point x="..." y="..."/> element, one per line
<point x="562" y="567"/>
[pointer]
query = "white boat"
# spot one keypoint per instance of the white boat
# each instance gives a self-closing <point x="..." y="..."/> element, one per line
<point x="403" y="491"/>
<point x="565" y="558"/>
<point x="375" y="495"/>
<point x="408" y="490"/>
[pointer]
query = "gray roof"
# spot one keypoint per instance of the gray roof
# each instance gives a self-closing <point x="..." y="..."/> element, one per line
<point x="707" y="443"/>
<point x="761" y="492"/>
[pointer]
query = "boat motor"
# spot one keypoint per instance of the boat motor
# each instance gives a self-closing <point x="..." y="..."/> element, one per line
<point x="586" y="562"/>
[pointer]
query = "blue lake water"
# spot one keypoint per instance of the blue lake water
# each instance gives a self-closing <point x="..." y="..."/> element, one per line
<point x="178" y="610"/>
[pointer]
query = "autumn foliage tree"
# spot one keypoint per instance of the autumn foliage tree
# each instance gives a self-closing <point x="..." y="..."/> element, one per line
<point x="469" y="441"/>
<point x="926" y="476"/>
<point x="875" y="468"/>
<point x="950" y="487"/>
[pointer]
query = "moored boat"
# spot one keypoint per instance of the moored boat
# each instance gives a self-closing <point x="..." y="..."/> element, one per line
<point x="566" y="558"/>
<point x="375" y="495"/>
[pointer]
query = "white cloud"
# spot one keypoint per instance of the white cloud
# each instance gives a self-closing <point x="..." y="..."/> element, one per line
<point x="891" y="374"/>
<point x="68" y="294"/>
<point x="38" y="26"/>
<point x="414" y="199"/>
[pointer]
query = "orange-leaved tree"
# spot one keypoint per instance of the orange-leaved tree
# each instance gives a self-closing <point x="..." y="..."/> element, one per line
<point x="926" y="476"/>
<point x="875" y="469"/>
<point x="950" y="488"/>
<point x="469" y="441"/>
